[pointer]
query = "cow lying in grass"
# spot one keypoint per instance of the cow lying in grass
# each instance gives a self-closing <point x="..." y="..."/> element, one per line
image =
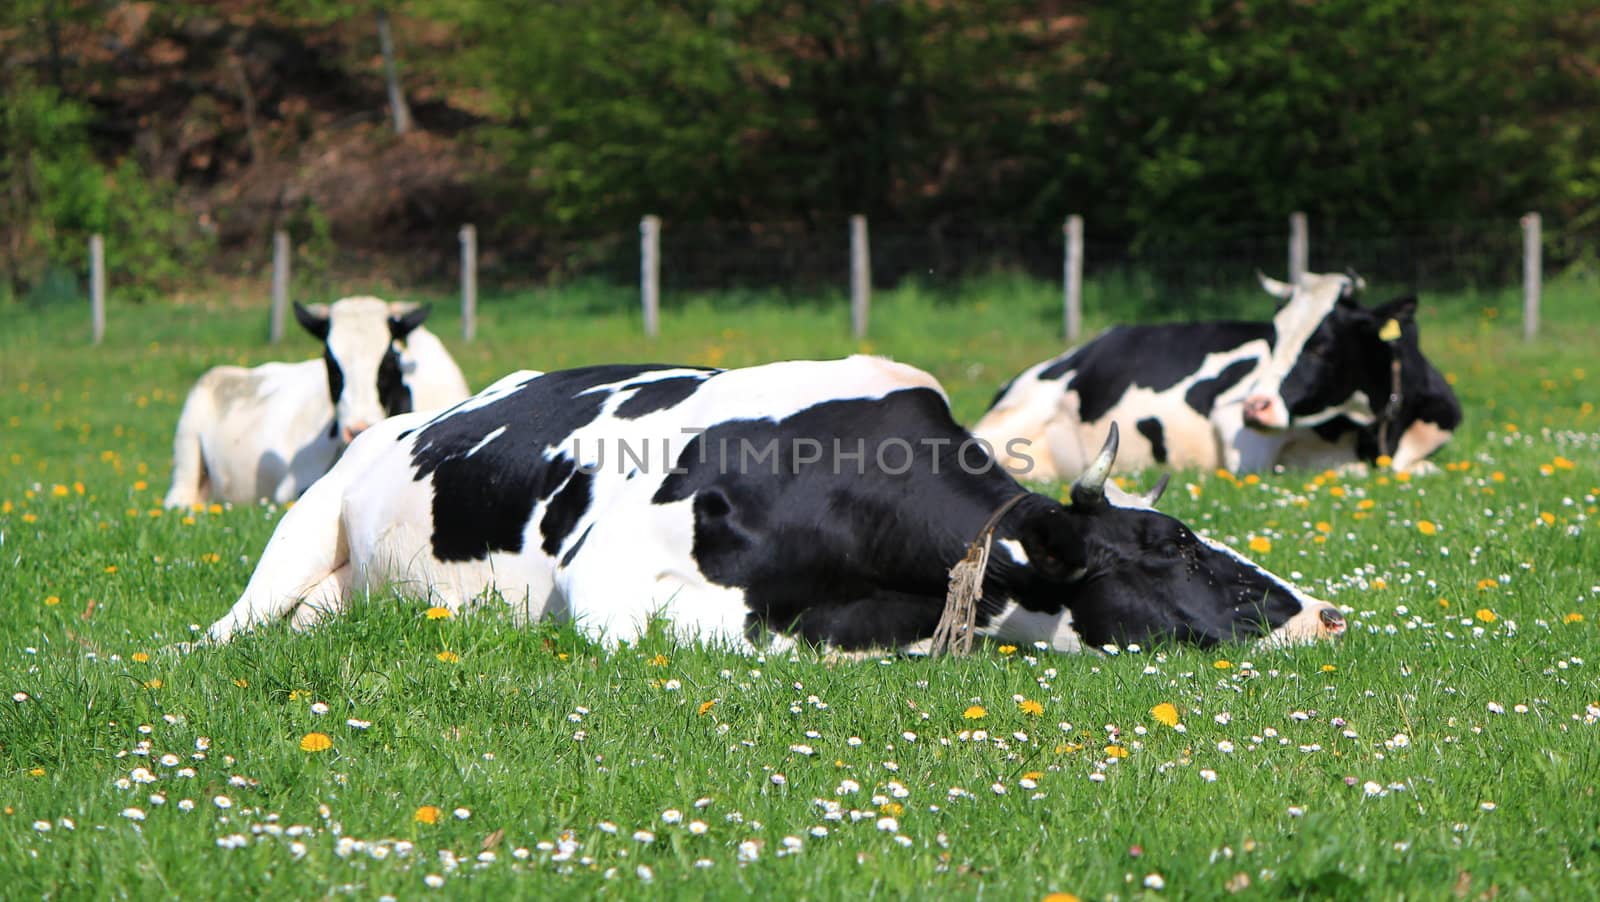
<point x="821" y="501"/>
<point x="268" y="432"/>
<point x="1326" y="383"/>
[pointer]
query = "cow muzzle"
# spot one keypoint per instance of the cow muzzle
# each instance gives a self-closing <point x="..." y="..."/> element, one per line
<point x="349" y="431"/>
<point x="1266" y="412"/>
<point x="1317" y="621"/>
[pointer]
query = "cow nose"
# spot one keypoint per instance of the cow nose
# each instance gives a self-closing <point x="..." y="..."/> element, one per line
<point x="1255" y="408"/>
<point x="354" y="429"/>
<point x="1332" y="620"/>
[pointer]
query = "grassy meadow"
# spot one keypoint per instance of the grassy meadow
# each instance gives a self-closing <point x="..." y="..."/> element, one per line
<point x="1447" y="747"/>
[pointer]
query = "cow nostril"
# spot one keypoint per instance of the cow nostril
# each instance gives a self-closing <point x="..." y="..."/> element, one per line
<point x="1332" y="619"/>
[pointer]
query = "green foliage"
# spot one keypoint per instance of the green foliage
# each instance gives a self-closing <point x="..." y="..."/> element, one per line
<point x="60" y="194"/>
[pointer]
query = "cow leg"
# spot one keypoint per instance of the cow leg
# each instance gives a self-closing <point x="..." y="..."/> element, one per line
<point x="1420" y="440"/>
<point x="189" y="483"/>
<point x="326" y="599"/>
<point x="305" y="554"/>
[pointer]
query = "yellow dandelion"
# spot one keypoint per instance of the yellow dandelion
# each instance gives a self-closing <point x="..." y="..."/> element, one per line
<point x="975" y="712"/>
<point x="427" y="814"/>
<point x="1223" y="665"/>
<point x="60" y="491"/>
<point x="706" y="706"/>
<point x="1486" y="615"/>
<point x="893" y="809"/>
<point x="1008" y="649"/>
<point x="1384" y="461"/>
<point x="242" y="683"/>
<point x="1366" y="504"/>
<point x="1487" y="583"/>
<point x="1059" y="897"/>
<point x="79" y="487"/>
<point x="112" y="568"/>
<point x="1030" y="707"/>
<point x="1260" y="544"/>
<point x="51" y="601"/>
<point x="1427" y="527"/>
<point x="140" y="657"/>
<point x="1116" y="751"/>
<point x="1380" y="583"/>
<point x="1560" y="463"/>
<point x="316" y="742"/>
<point x="187" y="521"/>
<point x="1165" y="713"/>
<point x="1324" y="526"/>
<point x="1444" y="602"/>
<point x="1328" y="668"/>
<point x="214" y="509"/>
<point x="1337" y="491"/>
<point x="297" y="694"/>
<point x="153" y="684"/>
<point x="1067" y="748"/>
<point x="140" y="485"/>
<point x="1573" y="617"/>
<point x="29" y="518"/>
<point x="1498" y="476"/>
<point x="448" y="657"/>
<point x="660" y="660"/>
<point x="1033" y="775"/>
<point x="1252" y="479"/>
<point x="36" y="772"/>
<point x="211" y="557"/>
<point x="1546" y="470"/>
<point x="1548" y="518"/>
<point x="438" y="613"/>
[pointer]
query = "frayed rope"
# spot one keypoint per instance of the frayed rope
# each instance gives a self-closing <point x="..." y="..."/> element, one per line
<point x="954" y="633"/>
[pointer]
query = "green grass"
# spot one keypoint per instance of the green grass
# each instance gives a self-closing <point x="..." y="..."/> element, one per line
<point x="1470" y="802"/>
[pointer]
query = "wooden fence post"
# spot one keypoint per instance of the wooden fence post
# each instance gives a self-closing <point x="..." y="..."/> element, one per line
<point x="97" y="288"/>
<point x="469" y="282"/>
<point x="650" y="273"/>
<point x="860" y="277"/>
<point x="1299" y="247"/>
<point x="1072" y="285"/>
<point x="280" y="285"/>
<point x="1532" y="274"/>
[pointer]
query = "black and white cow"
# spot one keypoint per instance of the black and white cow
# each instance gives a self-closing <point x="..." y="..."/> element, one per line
<point x="1327" y="382"/>
<point x="269" y="431"/>
<point x="821" y="501"/>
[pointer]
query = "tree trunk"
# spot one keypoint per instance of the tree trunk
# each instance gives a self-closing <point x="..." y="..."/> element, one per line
<point x="247" y="100"/>
<point x="401" y="113"/>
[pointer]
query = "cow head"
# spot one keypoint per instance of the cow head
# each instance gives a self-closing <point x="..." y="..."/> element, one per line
<point x="1137" y="575"/>
<point x="362" y="340"/>
<point x="1330" y="356"/>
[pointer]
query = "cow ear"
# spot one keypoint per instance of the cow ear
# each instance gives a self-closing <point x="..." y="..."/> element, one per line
<point x="1053" y="544"/>
<point x="1279" y="290"/>
<point x="402" y="324"/>
<point x="1403" y="309"/>
<point x="313" y="318"/>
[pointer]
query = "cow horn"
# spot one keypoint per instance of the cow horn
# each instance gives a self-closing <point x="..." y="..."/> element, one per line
<point x="1154" y="495"/>
<point x="1089" y="490"/>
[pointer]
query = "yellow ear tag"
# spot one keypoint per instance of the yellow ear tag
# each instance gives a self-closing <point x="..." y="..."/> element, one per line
<point x="1390" y="330"/>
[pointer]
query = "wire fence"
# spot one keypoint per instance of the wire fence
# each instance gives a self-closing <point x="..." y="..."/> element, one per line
<point x="667" y="261"/>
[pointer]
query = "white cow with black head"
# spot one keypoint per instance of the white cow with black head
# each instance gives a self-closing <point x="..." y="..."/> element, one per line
<point x="269" y="432"/>
<point x="820" y="501"/>
<point x="1326" y="382"/>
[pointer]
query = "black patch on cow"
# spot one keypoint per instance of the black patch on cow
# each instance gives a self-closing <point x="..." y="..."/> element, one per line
<point x="649" y="397"/>
<point x="393" y="392"/>
<point x="857" y="554"/>
<point x="1154" y="357"/>
<point x="1150" y="428"/>
<point x="482" y="502"/>
<point x="335" y="375"/>
<point x="566" y="559"/>
<point x="566" y="509"/>
<point x="1202" y="396"/>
